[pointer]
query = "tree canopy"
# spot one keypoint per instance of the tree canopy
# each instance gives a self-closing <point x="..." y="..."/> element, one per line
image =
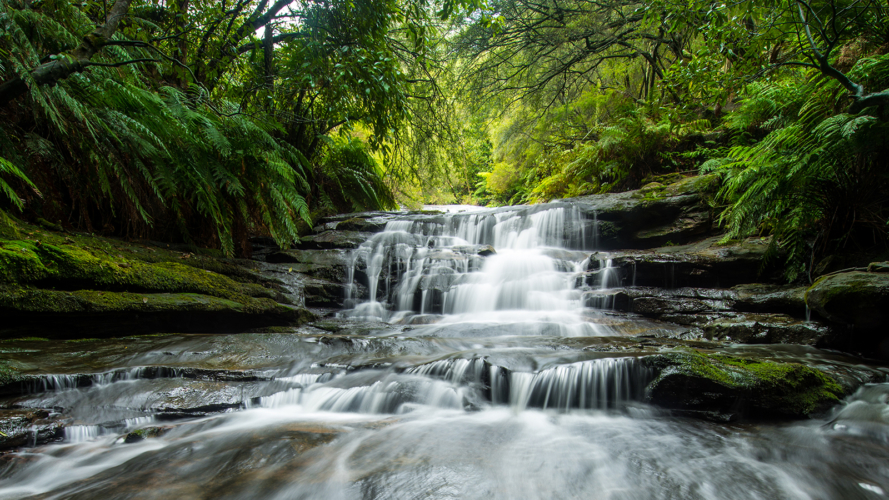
<point x="213" y="120"/>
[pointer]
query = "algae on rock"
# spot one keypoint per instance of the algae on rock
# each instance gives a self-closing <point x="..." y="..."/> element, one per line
<point x="725" y="387"/>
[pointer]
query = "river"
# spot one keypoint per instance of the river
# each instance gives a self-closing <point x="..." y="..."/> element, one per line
<point x="475" y="358"/>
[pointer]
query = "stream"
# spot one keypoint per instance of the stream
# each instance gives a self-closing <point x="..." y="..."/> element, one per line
<point x="478" y="355"/>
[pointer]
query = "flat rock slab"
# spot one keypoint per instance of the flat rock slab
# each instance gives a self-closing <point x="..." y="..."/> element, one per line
<point x="703" y="264"/>
<point x="88" y="313"/>
<point x="333" y="239"/>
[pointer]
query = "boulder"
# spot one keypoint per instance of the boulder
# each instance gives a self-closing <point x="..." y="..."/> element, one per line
<point x="28" y="427"/>
<point x="652" y="216"/>
<point x="855" y="298"/>
<point x="724" y="387"/>
<point x="858" y="301"/>
<point x="333" y="239"/>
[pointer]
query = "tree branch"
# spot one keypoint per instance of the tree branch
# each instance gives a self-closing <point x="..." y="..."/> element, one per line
<point x="66" y="65"/>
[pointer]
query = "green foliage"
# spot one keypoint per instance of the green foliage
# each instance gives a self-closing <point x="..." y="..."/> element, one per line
<point x="7" y="168"/>
<point x="817" y="181"/>
<point x="357" y="177"/>
<point x="188" y="126"/>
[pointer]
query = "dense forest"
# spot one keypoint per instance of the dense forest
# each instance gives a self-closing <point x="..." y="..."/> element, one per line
<point x="208" y="121"/>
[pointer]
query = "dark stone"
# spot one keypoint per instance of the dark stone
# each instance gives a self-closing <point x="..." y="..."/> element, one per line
<point x="860" y="301"/>
<point x="760" y="328"/>
<point x="690" y="380"/>
<point x="29" y="427"/>
<point x="333" y="239"/>
<point x="652" y="216"/>
<point x="704" y="264"/>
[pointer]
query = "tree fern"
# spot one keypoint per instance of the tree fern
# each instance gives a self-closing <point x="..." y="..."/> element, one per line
<point x="817" y="179"/>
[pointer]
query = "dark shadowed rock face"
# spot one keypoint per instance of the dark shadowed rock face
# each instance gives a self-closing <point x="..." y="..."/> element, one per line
<point x="860" y="302"/>
<point x="855" y="298"/>
<point x="654" y="215"/>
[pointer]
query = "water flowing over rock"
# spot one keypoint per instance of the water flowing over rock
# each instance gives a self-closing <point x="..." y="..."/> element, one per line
<point x="584" y="348"/>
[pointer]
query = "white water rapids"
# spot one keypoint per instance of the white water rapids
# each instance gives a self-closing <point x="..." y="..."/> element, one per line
<point x="471" y="363"/>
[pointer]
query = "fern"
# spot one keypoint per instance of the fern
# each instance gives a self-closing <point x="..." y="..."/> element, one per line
<point x="816" y="181"/>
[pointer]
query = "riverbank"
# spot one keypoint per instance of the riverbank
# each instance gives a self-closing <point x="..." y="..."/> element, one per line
<point x="370" y="314"/>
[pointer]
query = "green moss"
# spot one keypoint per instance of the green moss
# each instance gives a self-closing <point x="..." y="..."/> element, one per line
<point x="26" y="339"/>
<point x="73" y="267"/>
<point x="608" y="229"/>
<point x="768" y="386"/>
<point x="35" y="300"/>
<point x="8" y="374"/>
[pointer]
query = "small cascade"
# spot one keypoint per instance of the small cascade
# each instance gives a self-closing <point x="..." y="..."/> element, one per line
<point x="481" y="267"/>
<point x="599" y="384"/>
<point x="55" y="383"/>
<point x="82" y="433"/>
<point x="379" y="393"/>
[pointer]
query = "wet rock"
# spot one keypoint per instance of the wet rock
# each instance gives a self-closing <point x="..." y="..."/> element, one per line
<point x="761" y="328"/>
<point x="655" y="306"/>
<point x="34" y="311"/>
<point x="655" y="215"/>
<point x="333" y="239"/>
<point x="617" y="300"/>
<point x="29" y="427"/>
<point x="331" y="265"/>
<point x="704" y="264"/>
<point x="145" y="433"/>
<point x="759" y="297"/>
<point x="322" y="293"/>
<point x="730" y="386"/>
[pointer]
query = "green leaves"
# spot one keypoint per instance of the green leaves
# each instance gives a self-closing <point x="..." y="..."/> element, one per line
<point x="10" y="170"/>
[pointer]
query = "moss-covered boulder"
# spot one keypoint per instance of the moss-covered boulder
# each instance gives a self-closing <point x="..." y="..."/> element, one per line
<point x="91" y="313"/>
<point x="858" y="301"/>
<point x="725" y="387"/>
<point x="67" y="285"/>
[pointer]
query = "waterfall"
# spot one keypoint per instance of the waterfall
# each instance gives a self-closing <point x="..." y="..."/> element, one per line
<point x="478" y="266"/>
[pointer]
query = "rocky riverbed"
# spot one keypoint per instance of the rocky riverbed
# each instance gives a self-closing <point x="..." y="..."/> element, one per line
<point x="557" y="350"/>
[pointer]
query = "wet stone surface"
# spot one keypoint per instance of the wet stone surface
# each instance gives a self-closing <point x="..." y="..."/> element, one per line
<point x="489" y="353"/>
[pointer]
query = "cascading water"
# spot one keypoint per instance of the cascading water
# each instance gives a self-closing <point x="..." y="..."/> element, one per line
<point x="503" y="267"/>
<point x="478" y="356"/>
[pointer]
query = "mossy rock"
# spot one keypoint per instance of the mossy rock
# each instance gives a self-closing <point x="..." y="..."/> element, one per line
<point x="145" y="433"/>
<point x="99" y="313"/>
<point x="70" y="267"/>
<point x="720" y="386"/>
<point x="855" y="298"/>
